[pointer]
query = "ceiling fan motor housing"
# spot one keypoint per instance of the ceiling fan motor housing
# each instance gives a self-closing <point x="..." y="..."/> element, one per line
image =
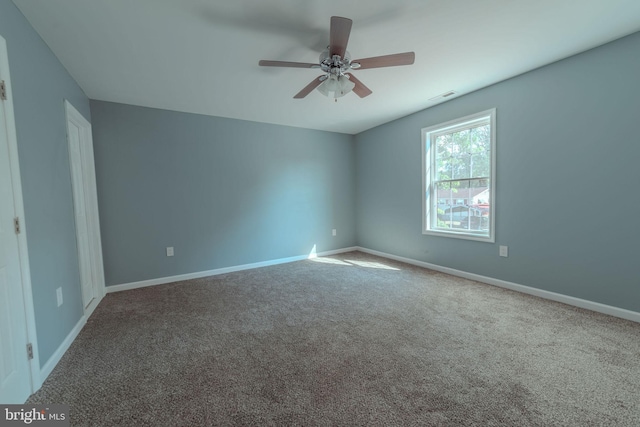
<point x="335" y="64"/>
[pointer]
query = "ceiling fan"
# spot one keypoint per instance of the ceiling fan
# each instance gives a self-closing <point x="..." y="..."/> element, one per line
<point x="335" y="61"/>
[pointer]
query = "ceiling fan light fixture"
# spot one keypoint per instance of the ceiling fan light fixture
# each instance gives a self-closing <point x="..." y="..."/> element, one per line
<point x="336" y="86"/>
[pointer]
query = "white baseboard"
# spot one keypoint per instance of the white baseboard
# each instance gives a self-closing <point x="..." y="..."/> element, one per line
<point x="199" y="274"/>
<point x="577" y="302"/>
<point x="64" y="346"/>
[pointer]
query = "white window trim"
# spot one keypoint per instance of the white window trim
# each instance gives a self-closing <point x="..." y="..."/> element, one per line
<point x="428" y="176"/>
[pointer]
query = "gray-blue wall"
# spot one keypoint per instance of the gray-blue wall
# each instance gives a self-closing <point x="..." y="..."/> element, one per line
<point x="40" y="84"/>
<point x="568" y="153"/>
<point x="222" y="192"/>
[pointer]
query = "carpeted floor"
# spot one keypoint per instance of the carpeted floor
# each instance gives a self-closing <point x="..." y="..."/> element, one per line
<point x="350" y="339"/>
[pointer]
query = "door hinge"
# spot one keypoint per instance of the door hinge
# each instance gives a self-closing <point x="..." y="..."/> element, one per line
<point x="16" y="225"/>
<point x="30" y="351"/>
<point x="3" y="90"/>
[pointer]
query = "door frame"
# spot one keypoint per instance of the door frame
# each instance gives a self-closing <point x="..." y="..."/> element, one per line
<point x="90" y="202"/>
<point x="18" y="202"/>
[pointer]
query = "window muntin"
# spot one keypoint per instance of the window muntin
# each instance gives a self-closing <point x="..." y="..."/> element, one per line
<point x="459" y="177"/>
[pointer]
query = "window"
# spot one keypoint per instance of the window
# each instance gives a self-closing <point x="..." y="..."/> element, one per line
<point x="458" y="176"/>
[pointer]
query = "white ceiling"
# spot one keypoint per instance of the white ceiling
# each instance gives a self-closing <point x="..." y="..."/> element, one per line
<point x="201" y="56"/>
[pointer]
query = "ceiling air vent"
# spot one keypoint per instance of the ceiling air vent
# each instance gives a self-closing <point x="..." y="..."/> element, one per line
<point x="442" y="96"/>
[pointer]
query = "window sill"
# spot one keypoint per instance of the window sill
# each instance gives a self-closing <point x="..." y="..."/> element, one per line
<point x="460" y="235"/>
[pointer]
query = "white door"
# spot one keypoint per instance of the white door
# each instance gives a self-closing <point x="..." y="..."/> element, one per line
<point x="15" y="373"/>
<point x="85" y="203"/>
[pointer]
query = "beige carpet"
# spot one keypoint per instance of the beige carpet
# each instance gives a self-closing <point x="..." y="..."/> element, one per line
<point x="349" y="340"/>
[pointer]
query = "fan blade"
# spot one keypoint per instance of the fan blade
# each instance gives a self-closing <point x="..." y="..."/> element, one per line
<point x="359" y="89"/>
<point x="309" y="88"/>
<point x="265" y="63"/>
<point x="339" y="35"/>
<point x="406" y="58"/>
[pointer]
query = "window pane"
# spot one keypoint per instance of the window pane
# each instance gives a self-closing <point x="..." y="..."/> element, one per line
<point x="443" y="195"/>
<point x="443" y="146"/>
<point x="480" y="164"/>
<point x="444" y="168"/>
<point x="443" y="191"/>
<point x="480" y="203"/>
<point x="462" y="166"/>
<point x="480" y="140"/>
<point x="460" y="142"/>
<point x="460" y="216"/>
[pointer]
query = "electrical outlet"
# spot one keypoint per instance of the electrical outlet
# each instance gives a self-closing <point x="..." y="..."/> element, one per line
<point x="504" y="251"/>
<point x="334" y="232"/>
<point x="59" y="296"/>
<point x="169" y="250"/>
